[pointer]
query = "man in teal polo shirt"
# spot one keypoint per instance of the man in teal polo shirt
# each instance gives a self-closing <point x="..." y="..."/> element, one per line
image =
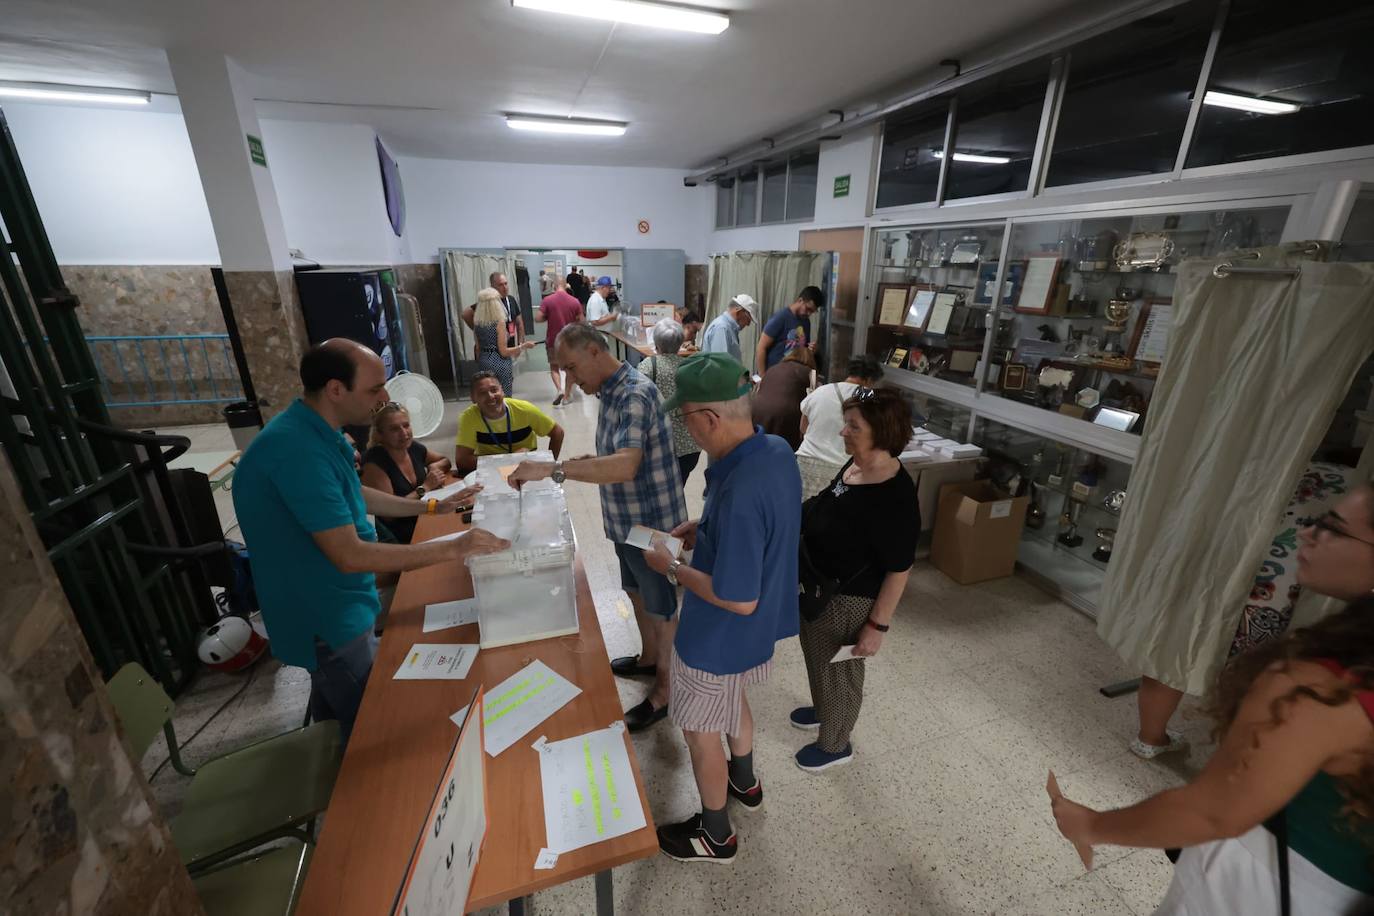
<point x="303" y="514"/>
<point x="741" y="596"/>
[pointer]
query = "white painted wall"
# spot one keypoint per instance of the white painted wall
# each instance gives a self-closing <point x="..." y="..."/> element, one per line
<point x="114" y="186"/>
<point x="459" y="204"/>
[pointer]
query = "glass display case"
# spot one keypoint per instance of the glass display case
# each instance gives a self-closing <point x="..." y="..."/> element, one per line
<point x="1082" y="325"/>
<point x="926" y="315"/>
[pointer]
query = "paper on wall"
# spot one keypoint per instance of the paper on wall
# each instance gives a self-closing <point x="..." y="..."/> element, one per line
<point x="437" y="661"/>
<point x="516" y="705"/>
<point x="449" y="614"/>
<point x="589" y="790"/>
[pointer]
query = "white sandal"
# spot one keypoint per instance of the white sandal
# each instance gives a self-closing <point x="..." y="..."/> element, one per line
<point x="1150" y="751"/>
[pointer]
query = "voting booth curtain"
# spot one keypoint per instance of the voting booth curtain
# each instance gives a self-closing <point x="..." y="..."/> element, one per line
<point x="466" y="274"/>
<point x="1256" y="367"/>
<point x="773" y="278"/>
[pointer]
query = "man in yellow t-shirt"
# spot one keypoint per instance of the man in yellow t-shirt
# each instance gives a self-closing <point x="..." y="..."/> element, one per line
<point x="498" y="425"/>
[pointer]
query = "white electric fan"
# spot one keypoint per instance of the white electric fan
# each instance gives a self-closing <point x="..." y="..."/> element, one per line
<point x="421" y="399"/>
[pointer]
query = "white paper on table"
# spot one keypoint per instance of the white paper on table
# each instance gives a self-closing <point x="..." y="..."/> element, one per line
<point x="452" y="535"/>
<point x="845" y="654"/>
<point x="589" y="790"/>
<point x="449" y="614"/>
<point x="545" y="859"/>
<point x="445" y="492"/>
<point x="520" y="702"/>
<point x="644" y="538"/>
<point x="437" y="661"/>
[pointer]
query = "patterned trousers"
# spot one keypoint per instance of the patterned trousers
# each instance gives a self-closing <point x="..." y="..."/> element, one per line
<point x="837" y="690"/>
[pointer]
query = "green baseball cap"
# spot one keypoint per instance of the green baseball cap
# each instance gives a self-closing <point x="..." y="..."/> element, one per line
<point x="709" y="377"/>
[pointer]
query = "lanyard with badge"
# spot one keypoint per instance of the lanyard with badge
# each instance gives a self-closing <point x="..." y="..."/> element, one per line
<point x="510" y="440"/>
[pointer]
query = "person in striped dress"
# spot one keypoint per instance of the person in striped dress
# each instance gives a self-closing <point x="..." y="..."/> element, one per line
<point x="740" y="596"/>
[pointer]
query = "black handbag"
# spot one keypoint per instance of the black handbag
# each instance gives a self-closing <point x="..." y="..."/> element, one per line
<point x="815" y="589"/>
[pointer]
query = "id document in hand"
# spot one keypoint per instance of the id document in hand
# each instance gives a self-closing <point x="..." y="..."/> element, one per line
<point x="645" y="538"/>
<point x="589" y="790"/>
<point x="433" y="661"/>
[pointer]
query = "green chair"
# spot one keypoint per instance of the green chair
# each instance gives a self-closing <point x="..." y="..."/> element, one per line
<point x="264" y="885"/>
<point x="243" y="799"/>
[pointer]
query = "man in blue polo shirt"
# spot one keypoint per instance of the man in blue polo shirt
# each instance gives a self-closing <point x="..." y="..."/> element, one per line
<point x="304" y="514"/>
<point x="741" y="595"/>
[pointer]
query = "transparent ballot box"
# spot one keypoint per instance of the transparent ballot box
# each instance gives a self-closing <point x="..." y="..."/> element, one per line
<point x="492" y="471"/>
<point x="524" y="594"/>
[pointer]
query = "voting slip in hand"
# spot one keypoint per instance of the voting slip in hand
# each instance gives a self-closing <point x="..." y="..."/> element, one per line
<point x="645" y="539"/>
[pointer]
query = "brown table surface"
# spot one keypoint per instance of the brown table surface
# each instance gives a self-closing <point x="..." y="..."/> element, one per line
<point x="401" y="742"/>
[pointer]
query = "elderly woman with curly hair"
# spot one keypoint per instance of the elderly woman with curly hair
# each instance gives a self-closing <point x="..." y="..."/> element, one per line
<point x="1282" y="812"/>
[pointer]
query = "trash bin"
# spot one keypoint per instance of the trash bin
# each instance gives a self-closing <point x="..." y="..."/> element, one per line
<point x="244" y="421"/>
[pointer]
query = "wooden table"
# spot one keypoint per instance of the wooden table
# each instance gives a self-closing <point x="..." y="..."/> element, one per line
<point x="644" y="346"/>
<point x="401" y="742"/>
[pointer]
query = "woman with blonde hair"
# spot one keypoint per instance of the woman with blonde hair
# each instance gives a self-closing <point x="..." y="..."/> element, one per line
<point x="490" y="347"/>
<point x="396" y="463"/>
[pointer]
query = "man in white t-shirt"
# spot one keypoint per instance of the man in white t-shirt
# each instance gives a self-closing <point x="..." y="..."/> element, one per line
<point x="821" y="454"/>
<point x="598" y="312"/>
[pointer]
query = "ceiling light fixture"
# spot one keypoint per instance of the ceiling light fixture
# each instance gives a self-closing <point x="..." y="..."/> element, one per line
<point x="565" y="125"/>
<point x="973" y="157"/>
<point x="1247" y="103"/>
<point x="636" y="12"/>
<point x="58" y="92"/>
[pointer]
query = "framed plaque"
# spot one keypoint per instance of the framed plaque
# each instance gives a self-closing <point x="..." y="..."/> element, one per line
<point x="1014" y="377"/>
<point x="966" y="250"/>
<point x="892" y="300"/>
<point x="918" y="308"/>
<point x="1038" y="285"/>
<point x="1151" y="337"/>
<point x="897" y="358"/>
<point x="941" y="311"/>
<point x="1011" y="283"/>
<point x="1143" y="251"/>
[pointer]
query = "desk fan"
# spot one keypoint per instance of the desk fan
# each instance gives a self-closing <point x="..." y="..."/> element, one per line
<point x="421" y="399"/>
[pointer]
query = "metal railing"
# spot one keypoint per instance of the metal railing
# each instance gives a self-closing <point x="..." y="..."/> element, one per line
<point x="149" y="370"/>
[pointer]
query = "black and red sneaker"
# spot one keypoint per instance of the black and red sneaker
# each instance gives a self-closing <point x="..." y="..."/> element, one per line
<point x="751" y="798"/>
<point x="689" y="842"/>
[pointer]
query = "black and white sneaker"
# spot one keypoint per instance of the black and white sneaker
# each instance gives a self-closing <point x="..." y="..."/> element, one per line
<point x="689" y="842"/>
<point x="751" y="798"/>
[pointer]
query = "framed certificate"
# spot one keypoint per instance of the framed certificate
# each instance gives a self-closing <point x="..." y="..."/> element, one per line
<point x="1014" y="377"/>
<point x="918" y="309"/>
<point x="897" y="358"/>
<point x="941" y="311"/>
<point x="892" y="299"/>
<point x="1011" y="283"/>
<point x="1038" y="284"/>
<point x="1151" y="337"/>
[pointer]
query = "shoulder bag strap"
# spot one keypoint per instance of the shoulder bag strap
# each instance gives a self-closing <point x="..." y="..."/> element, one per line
<point x="839" y="395"/>
<point x="1278" y="826"/>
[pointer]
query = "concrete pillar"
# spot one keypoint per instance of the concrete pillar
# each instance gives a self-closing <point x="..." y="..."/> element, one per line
<point x="235" y="172"/>
<point x="78" y="828"/>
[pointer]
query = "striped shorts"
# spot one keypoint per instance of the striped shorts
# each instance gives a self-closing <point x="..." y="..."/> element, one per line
<point x="699" y="701"/>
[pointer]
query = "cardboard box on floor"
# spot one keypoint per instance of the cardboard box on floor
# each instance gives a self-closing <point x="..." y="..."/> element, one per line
<point x="976" y="531"/>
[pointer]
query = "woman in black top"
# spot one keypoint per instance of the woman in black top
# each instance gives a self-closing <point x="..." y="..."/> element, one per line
<point x="862" y="531"/>
<point x="396" y="463"/>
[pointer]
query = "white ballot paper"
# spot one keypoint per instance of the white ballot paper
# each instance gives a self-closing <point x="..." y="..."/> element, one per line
<point x="589" y="790"/>
<point x="520" y="702"/>
<point x="452" y="535"/>
<point x="450" y="614"/>
<point x="644" y="539"/>
<point x="445" y="492"/>
<point x="436" y="661"/>
<point x="845" y="654"/>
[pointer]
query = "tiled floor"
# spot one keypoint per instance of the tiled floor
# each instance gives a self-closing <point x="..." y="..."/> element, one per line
<point x="976" y="693"/>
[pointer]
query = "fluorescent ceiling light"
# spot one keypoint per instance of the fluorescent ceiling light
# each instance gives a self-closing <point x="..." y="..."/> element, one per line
<point x="973" y="157"/>
<point x="565" y="125"/>
<point x="636" y="12"/>
<point x="1247" y="103"/>
<point x="57" y="92"/>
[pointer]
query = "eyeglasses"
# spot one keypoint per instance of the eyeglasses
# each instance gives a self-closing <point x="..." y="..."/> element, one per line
<point x="688" y="413"/>
<point x="1327" y="523"/>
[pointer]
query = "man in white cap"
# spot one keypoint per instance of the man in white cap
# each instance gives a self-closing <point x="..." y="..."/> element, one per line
<point x="722" y="335"/>
<point x="598" y="310"/>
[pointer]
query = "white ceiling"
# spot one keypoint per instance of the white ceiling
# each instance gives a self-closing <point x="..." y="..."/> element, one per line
<point x="688" y="98"/>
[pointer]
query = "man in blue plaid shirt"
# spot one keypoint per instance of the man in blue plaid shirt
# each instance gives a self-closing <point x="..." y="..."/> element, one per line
<point x="638" y="475"/>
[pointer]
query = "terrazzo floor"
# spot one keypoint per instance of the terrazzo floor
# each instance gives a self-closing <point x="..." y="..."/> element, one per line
<point x="976" y="693"/>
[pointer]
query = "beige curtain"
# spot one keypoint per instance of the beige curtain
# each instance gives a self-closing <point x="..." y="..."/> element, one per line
<point x="467" y="273"/>
<point x="1256" y="367"/>
<point x="773" y="278"/>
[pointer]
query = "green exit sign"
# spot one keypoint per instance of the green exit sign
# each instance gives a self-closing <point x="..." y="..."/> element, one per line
<point x="255" y="151"/>
<point x="842" y="186"/>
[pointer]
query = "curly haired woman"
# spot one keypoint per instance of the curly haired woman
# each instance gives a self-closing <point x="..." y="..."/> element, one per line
<point x="1295" y="719"/>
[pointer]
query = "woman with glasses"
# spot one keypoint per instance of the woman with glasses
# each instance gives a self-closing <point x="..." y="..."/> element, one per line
<point x="491" y="350"/>
<point x="396" y="463"/>
<point x="821" y="453"/>
<point x="1280" y="818"/>
<point x="858" y="538"/>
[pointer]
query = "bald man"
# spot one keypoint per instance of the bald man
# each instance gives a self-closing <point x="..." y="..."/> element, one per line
<point x="314" y="554"/>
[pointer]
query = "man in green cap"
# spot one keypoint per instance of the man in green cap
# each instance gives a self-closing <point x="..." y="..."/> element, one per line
<point x="740" y="595"/>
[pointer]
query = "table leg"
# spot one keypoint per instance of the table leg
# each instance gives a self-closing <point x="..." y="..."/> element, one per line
<point x="605" y="899"/>
<point x="516" y="906"/>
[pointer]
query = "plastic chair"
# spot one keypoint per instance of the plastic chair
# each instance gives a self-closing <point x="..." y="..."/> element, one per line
<point x="271" y="789"/>
<point x="264" y="885"/>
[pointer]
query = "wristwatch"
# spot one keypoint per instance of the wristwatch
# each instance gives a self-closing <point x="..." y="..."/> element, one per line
<point x="672" y="572"/>
<point x="558" y="476"/>
<point x="420" y="491"/>
<point x="880" y="627"/>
